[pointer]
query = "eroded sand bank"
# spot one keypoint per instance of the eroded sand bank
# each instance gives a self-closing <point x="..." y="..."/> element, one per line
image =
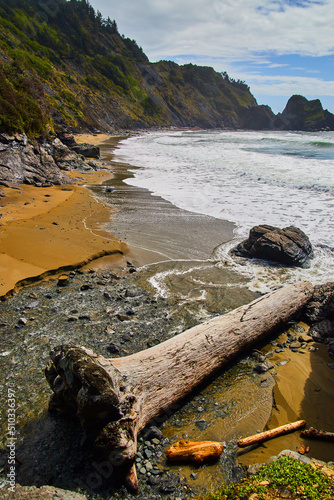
<point x="43" y="229"/>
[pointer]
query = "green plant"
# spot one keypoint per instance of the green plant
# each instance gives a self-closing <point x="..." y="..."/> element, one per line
<point x="300" y="480"/>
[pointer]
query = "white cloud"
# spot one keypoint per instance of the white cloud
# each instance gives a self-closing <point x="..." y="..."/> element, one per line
<point x="289" y="85"/>
<point x="235" y="36"/>
<point x="224" y="28"/>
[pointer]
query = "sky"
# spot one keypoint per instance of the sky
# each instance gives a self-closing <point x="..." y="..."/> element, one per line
<point x="278" y="47"/>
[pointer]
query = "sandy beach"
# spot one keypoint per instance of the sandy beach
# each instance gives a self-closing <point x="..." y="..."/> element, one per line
<point x="43" y="229"/>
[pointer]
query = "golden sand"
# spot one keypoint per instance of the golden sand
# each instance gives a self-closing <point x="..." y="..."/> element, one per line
<point x="304" y="391"/>
<point x="43" y="229"/>
<point x="94" y="139"/>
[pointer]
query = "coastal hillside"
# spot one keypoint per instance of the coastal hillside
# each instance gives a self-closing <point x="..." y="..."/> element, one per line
<point x="305" y="115"/>
<point x="64" y="67"/>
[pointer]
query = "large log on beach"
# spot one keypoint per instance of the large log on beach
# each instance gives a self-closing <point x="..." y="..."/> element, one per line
<point x="116" y="398"/>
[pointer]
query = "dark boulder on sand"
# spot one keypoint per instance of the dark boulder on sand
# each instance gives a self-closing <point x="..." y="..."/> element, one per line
<point x="87" y="150"/>
<point x="289" y="246"/>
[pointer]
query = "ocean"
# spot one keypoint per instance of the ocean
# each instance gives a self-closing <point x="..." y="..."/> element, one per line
<point x="248" y="178"/>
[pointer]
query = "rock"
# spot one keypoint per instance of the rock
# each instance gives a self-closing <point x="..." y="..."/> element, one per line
<point x="302" y="114"/>
<point x="153" y="432"/>
<point x="67" y="159"/>
<point x="320" y="312"/>
<point x="202" y="424"/>
<point x="86" y="150"/>
<point x="113" y="348"/>
<point x="263" y="367"/>
<point x="295" y="345"/>
<point x="282" y="363"/>
<point x="86" y="287"/>
<point x="25" y="163"/>
<point x="168" y="486"/>
<point x="288" y="246"/>
<point x="322" y="330"/>
<point x="43" y="493"/>
<point x="322" y="304"/>
<point x="63" y="280"/>
<point x="153" y="480"/>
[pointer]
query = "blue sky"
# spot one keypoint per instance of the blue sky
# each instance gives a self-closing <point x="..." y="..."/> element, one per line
<point x="278" y="47"/>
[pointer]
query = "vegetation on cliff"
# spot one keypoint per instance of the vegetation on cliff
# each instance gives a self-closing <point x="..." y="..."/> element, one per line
<point x="62" y="65"/>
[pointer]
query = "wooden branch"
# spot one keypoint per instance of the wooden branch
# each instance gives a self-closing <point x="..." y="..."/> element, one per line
<point x="265" y="436"/>
<point x="315" y="434"/>
<point x="115" y="398"/>
<point x="194" y="451"/>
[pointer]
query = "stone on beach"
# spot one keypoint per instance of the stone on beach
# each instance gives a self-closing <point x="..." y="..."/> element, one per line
<point x="289" y="246"/>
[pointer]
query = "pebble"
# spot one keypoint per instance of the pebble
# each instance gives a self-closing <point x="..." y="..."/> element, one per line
<point x="263" y="367"/>
<point x="193" y="476"/>
<point x="282" y="363"/>
<point x="202" y="424"/>
<point x="113" y="348"/>
<point x="295" y="345"/>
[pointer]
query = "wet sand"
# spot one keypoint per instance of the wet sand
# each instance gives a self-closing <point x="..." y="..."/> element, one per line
<point x="43" y="229"/>
<point x="155" y="229"/>
<point x="304" y="390"/>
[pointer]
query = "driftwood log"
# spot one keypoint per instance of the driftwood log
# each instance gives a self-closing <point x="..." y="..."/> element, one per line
<point x="197" y="452"/>
<point x="261" y="437"/>
<point x="316" y="434"/>
<point x="114" y="399"/>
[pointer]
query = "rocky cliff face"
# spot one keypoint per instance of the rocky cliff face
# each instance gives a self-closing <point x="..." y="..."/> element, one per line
<point x="38" y="163"/>
<point x="301" y="114"/>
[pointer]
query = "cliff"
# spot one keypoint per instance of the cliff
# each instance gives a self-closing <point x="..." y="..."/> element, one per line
<point x="305" y="115"/>
<point x="62" y="66"/>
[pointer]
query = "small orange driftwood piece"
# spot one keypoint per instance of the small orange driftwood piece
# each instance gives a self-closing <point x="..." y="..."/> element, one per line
<point x="194" y="451"/>
<point x="265" y="436"/>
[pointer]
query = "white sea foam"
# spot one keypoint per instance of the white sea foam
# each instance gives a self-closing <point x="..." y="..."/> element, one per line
<point x="249" y="178"/>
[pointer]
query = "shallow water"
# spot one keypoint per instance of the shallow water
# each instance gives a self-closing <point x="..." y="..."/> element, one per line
<point x="248" y="178"/>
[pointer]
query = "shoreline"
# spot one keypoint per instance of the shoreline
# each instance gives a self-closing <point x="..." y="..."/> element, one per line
<point x="155" y="229"/>
<point x="45" y="230"/>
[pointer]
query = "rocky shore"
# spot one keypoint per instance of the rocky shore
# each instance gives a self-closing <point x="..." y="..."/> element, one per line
<point x="112" y="314"/>
<point x="115" y="314"/>
<point x="41" y="163"/>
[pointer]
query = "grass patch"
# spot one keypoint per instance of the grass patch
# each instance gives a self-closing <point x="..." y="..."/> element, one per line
<point x="284" y="478"/>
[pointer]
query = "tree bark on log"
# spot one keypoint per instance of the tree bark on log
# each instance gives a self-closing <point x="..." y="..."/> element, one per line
<point x="265" y="436"/>
<point x="115" y="398"/>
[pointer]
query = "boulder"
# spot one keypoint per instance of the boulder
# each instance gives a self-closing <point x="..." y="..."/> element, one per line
<point x="321" y="306"/>
<point x="320" y="312"/>
<point x="42" y="493"/>
<point x="288" y="246"/>
<point x="87" y="150"/>
<point x="24" y="163"/>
